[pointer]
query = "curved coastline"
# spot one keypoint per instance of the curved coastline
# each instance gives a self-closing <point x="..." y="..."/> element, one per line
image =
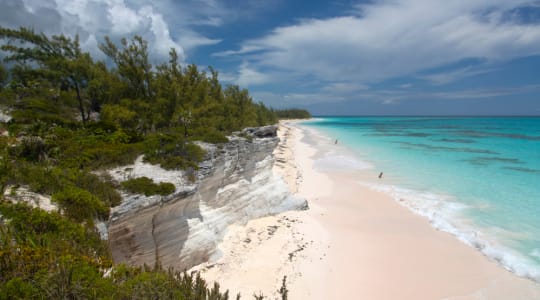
<point x="444" y="212"/>
<point x="353" y="243"/>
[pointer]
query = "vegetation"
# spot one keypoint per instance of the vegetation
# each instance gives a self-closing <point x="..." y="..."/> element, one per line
<point x="47" y="256"/>
<point x="293" y="113"/>
<point x="145" y="185"/>
<point x="72" y="116"/>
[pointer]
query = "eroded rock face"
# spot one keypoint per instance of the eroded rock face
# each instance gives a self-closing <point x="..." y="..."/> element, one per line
<point x="234" y="184"/>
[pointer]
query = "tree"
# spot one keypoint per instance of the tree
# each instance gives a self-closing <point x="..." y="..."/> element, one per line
<point x="58" y="59"/>
<point x="3" y="76"/>
<point x="133" y="66"/>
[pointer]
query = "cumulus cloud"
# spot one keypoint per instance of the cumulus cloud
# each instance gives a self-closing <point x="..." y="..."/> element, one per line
<point x="386" y="39"/>
<point x="164" y="24"/>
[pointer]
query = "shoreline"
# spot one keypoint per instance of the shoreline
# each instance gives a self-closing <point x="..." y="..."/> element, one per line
<point x="353" y="243"/>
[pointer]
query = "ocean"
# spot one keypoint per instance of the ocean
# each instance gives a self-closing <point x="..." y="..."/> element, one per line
<point x="477" y="178"/>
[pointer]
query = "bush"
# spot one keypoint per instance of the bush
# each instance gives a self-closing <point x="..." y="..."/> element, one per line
<point x="45" y="180"/>
<point x="31" y="148"/>
<point x="146" y="186"/>
<point x="33" y="238"/>
<point x="214" y="137"/>
<point x="172" y="151"/>
<point x="100" y="145"/>
<point x="80" y="205"/>
<point x="99" y="186"/>
<point x="16" y="288"/>
<point x="40" y="178"/>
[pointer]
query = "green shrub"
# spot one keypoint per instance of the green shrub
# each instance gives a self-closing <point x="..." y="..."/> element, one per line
<point x="214" y="137"/>
<point x="17" y="288"/>
<point x="100" y="145"/>
<point x="155" y="283"/>
<point x="46" y="180"/>
<point x="80" y="205"/>
<point x="41" y="178"/>
<point x="33" y="238"/>
<point x="172" y="151"/>
<point x="99" y="186"/>
<point x="146" y="186"/>
<point x="74" y="278"/>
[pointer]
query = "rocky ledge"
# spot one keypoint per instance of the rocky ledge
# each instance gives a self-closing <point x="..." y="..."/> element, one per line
<point x="233" y="185"/>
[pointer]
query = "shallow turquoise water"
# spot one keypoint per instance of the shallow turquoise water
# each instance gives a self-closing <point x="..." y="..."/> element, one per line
<point x="481" y="176"/>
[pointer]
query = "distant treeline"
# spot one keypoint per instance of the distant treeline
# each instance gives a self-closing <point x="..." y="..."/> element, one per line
<point x="73" y="115"/>
<point x="293" y="113"/>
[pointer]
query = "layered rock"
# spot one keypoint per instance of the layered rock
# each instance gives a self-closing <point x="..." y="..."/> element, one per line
<point x="234" y="184"/>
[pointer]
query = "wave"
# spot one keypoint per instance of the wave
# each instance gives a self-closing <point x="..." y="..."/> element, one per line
<point x="447" y="215"/>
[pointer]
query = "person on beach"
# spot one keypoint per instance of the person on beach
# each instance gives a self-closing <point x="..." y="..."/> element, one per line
<point x="380" y="175"/>
<point x="335" y="143"/>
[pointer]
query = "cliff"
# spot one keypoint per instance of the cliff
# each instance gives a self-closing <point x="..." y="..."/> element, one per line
<point x="234" y="184"/>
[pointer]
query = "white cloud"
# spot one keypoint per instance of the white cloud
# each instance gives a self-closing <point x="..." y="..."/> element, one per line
<point x="396" y="96"/>
<point x="386" y="39"/>
<point x="288" y="100"/>
<point x="388" y="96"/>
<point x="164" y="24"/>
<point x="248" y="76"/>
<point x="453" y="75"/>
<point x="190" y="40"/>
<point x="124" y="20"/>
<point x="344" y="87"/>
<point x="245" y="49"/>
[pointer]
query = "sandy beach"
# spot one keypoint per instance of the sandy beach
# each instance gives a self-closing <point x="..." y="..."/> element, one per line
<point x="352" y="243"/>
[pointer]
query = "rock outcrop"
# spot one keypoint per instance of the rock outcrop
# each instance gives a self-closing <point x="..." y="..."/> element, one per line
<point x="23" y="194"/>
<point x="234" y="184"/>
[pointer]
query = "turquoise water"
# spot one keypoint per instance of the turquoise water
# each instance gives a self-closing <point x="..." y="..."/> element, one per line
<point x="478" y="178"/>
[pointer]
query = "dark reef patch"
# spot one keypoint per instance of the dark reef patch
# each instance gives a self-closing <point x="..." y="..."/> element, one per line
<point x="485" y="160"/>
<point x="521" y="169"/>
<point x="462" y="141"/>
<point x="484" y="134"/>
<point x="443" y="148"/>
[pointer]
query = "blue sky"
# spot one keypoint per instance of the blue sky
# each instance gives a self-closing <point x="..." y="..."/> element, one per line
<point x="409" y="57"/>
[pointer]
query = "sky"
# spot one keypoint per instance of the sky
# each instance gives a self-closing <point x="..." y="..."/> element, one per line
<point x="342" y="57"/>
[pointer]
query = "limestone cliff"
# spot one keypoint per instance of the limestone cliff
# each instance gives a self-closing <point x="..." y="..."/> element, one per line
<point x="234" y="184"/>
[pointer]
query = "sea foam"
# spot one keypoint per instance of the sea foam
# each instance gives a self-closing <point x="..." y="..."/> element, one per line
<point x="494" y="207"/>
<point x="447" y="215"/>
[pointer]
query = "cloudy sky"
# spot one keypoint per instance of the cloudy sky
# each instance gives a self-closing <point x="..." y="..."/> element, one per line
<point x="333" y="57"/>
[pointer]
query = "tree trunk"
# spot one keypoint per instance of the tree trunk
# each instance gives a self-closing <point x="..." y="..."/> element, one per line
<point x="81" y="106"/>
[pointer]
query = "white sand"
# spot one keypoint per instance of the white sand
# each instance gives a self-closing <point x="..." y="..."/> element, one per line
<point x="353" y="243"/>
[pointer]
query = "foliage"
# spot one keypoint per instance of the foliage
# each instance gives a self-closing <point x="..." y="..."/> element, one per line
<point x="33" y="239"/>
<point x="50" y="180"/>
<point x="146" y="186"/>
<point x="48" y="256"/>
<point x="293" y="113"/>
<point x="80" y="205"/>
<point x="170" y="151"/>
<point x="73" y="116"/>
<point x="60" y="62"/>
